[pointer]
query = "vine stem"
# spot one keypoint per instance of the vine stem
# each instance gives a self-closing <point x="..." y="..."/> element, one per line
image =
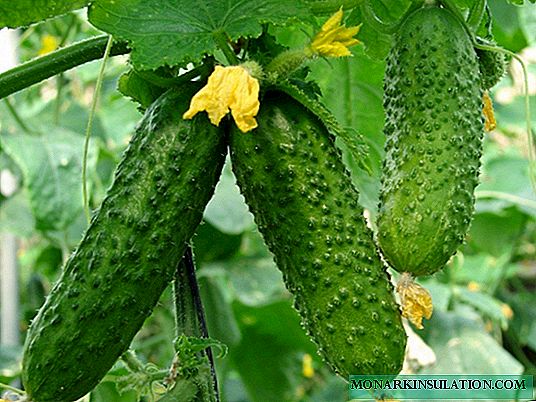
<point x="89" y="126"/>
<point x="475" y="14"/>
<point x="221" y="40"/>
<point x="12" y="389"/>
<point x="132" y="362"/>
<point x="41" y="68"/>
<point x="188" y="300"/>
<point x="17" y="117"/>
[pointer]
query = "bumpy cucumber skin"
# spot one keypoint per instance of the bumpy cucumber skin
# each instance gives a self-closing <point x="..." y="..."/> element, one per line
<point x="113" y="280"/>
<point x="492" y="67"/>
<point x="306" y="208"/>
<point x="434" y="129"/>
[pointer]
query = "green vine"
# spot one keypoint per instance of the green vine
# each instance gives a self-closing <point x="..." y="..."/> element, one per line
<point x="19" y="120"/>
<point x="49" y="65"/>
<point x="476" y="13"/>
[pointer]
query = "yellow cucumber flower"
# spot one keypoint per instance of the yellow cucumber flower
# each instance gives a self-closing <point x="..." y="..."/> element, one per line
<point x="228" y="88"/>
<point x="49" y="43"/>
<point x="416" y="301"/>
<point x="334" y="39"/>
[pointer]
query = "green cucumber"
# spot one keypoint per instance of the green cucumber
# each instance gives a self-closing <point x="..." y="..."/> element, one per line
<point x="305" y="206"/>
<point x="127" y="257"/>
<point x="492" y="67"/>
<point x="434" y="130"/>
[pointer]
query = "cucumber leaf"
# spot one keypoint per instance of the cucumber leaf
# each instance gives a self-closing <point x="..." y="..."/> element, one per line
<point x="14" y="14"/>
<point x="176" y="32"/>
<point x="51" y="167"/>
<point x="462" y="345"/>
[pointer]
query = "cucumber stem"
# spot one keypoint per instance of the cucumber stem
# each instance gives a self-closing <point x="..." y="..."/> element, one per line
<point x="189" y="311"/>
<point x="41" y="68"/>
<point x="223" y="44"/>
<point x="475" y="14"/>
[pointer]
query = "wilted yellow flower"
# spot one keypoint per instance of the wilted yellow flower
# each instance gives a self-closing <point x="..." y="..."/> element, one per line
<point x="228" y="88"/>
<point x="416" y="301"/>
<point x="489" y="116"/>
<point x="49" y="43"/>
<point x="307" y="366"/>
<point x="334" y="39"/>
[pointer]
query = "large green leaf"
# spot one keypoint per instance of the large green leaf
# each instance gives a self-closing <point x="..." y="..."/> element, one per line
<point x="527" y="18"/>
<point x="210" y="244"/>
<point x="253" y="281"/>
<point x="16" y="13"/>
<point x="51" y="166"/>
<point x="175" y="32"/>
<point x="496" y="234"/>
<point x="268" y="357"/>
<point x="463" y="346"/>
<point x="523" y="323"/>
<point x="16" y="216"/>
<point x="505" y="181"/>
<point x="484" y="303"/>
<point x="507" y="28"/>
<point x="482" y="268"/>
<point x="221" y="320"/>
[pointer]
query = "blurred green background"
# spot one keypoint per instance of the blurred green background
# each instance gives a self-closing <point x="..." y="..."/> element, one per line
<point x="485" y="302"/>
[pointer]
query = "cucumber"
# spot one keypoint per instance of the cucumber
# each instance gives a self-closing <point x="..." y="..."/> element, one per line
<point x="113" y="280"/>
<point x="305" y="206"/>
<point x="492" y="67"/>
<point x="434" y="130"/>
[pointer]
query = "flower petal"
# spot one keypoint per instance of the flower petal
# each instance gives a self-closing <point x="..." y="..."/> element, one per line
<point x="416" y="301"/>
<point x="228" y="88"/>
<point x="333" y="39"/>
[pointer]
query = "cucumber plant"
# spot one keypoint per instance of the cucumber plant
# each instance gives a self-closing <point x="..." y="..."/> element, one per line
<point x="288" y="169"/>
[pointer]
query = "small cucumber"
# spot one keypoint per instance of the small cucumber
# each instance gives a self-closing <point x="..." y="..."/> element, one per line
<point x="305" y="206"/>
<point x="492" y="67"/>
<point x="113" y="280"/>
<point x="434" y="130"/>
